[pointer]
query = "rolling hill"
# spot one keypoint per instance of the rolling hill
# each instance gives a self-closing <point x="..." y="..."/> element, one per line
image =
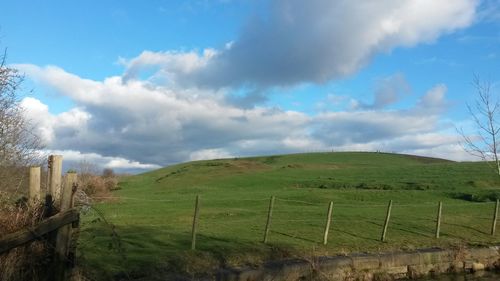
<point x="147" y="226"/>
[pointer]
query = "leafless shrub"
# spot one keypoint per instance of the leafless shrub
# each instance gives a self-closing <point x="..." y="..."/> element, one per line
<point x="93" y="183"/>
<point x="484" y="112"/>
<point x="26" y="262"/>
<point x="19" y="146"/>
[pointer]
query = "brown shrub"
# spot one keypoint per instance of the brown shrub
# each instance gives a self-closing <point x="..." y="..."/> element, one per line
<point x="108" y="173"/>
<point x="94" y="185"/>
<point x="28" y="262"/>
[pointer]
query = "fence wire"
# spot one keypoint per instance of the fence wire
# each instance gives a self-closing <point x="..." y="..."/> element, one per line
<point x="229" y="220"/>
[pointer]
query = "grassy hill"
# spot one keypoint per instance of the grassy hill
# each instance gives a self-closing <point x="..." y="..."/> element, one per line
<point x="148" y="226"/>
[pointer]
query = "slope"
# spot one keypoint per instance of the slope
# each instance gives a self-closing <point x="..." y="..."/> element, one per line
<point x="149" y="222"/>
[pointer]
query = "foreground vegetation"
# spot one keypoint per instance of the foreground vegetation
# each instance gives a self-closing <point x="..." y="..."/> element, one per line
<point x="146" y="226"/>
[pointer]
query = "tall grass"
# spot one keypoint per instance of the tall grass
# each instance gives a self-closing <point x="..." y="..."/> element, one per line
<point x="28" y="262"/>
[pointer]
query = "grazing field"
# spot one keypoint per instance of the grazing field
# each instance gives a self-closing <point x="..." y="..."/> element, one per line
<point x="146" y="227"/>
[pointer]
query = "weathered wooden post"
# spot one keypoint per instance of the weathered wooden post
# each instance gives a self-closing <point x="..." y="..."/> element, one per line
<point x="62" y="262"/>
<point x="386" y="223"/>
<point x="438" y="219"/>
<point x="495" y="216"/>
<point x="54" y="177"/>
<point x="269" y="217"/>
<point x="195" y="222"/>
<point x="68" y="190"/>
<point x="327" y="225"/>
<point x="34" y="186"/>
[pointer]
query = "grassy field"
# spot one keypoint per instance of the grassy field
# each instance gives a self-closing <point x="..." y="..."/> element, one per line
<point x="148" y="227"/>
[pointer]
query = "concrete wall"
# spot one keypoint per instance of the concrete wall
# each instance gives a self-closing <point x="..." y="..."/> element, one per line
<point x="371" y="267"/>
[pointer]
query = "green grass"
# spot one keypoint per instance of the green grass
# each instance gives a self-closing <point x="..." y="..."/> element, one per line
<point x="149" y="226"/>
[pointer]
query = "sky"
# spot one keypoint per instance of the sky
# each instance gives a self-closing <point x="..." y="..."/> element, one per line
<point x="136" y="85"/>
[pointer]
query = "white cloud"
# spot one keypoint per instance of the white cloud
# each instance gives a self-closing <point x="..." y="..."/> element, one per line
<point x="139" y="125"/>
<point x="351" y="127"/>
<point x="388" y="90"/>
<point x="48" y="126"/>
<point x="452" y="151"/>
<point x="172" y="63"/>
<point x="208" y="154"/>
<point x="152" y="124"/>
<point x="311" y="41"/>
<point x="174" y="106"/>
<point x="73" y="158"/>
<point x="434" y="100"/>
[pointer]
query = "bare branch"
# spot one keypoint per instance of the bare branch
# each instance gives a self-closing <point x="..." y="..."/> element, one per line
<point x="18" y="145"/>
<point x="485" y="144"/>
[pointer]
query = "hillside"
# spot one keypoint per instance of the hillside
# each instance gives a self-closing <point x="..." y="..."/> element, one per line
<point x="331" y="171"/>
<point x="149" y="221"/>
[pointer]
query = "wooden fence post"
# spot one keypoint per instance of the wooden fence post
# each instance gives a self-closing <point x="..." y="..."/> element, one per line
<point x="269" y="216"/>
<point x="53" y="191"/>
<point x="495" y="215"/>
<point x="54" y="177"/>
<point x="327" y="225"/>
<point x="386" y="223"/>
<point x="438" y="219"/>
<point x="195" y="222"/>
<point x="62" y="263"/>
<point x="34" y="183"/>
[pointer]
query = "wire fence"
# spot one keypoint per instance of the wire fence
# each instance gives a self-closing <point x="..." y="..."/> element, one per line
<point x="222" y="221"/>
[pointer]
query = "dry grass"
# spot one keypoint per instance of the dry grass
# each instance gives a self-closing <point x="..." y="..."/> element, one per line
<point x="27" y="262"/>
<point x="95" y="183"/>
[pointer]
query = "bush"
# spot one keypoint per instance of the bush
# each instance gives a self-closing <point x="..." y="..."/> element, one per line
<point x="27" y="262"/>
<point x="95" y="184"/>
<point x="108" y="173"/>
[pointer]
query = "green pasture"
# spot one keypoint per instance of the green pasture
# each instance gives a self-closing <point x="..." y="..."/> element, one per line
<point x="147" y="227"/>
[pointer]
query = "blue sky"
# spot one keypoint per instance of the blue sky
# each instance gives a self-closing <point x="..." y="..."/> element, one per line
<point x="134" y="85"/>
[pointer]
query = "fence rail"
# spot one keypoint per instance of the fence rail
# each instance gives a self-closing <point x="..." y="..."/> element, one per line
<point x="55" y="228"/>
<point x="25" y="236"/>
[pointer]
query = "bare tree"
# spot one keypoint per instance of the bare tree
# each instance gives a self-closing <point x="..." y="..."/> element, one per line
<point x="484" y="112"/>
<point x="19" y="146"/>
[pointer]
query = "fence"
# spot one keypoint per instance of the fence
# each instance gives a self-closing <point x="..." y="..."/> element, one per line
<point x="57" y="229"/>
<point x="278" y="219"/>
<point x="328" y="218"/>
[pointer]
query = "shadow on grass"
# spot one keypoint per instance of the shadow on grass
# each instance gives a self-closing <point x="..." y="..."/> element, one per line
<point x="355" y="235"/>
<point x="295" y="237"/>
<point x="131" y="252"/>
<point x="375" y="223"/>
<point x="406" y="228"/>
<point x="467" y="227"/>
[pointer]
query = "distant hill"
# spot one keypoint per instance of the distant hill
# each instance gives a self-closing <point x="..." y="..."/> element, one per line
<point x="365" y="170"/>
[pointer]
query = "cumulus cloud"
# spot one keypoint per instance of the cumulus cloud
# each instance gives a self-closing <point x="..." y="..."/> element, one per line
<point x="389" y="90"/>
<point x="48" y="126"/>
<point x="153" y="124"/>
<point x="174" y="106"/>
<point x="206" y="154"/>
<point x="73" y="159"/>
<point x="434" y="99"/>
<point x="139" y="125"/>
<point x="369" y="126"/>
<point x="311" y="41"/>
<point x="169" y="64"/>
